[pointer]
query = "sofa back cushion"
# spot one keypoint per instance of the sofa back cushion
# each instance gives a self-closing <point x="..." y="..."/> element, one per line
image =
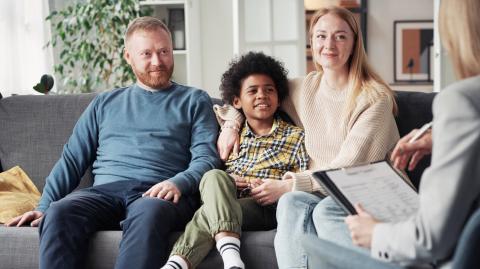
<point x="414" y="110"/>
<point x="33" y="130"/>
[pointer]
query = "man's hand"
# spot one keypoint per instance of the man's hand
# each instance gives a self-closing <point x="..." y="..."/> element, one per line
<point x="361" y="227"/>
<point x="270" y="191"/>
<point x="165" y="190"/>
<point x="411" y="153"/>
<point x="34" y="217"/>
<point x="228" y="139"/>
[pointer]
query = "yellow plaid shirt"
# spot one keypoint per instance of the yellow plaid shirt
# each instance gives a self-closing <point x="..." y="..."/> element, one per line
<point x="269" y="156"/>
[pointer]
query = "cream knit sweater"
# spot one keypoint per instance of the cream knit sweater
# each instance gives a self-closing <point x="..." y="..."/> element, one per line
<point x="333" y="140"/>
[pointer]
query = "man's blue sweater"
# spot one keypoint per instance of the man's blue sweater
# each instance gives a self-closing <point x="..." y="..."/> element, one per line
<point x="134" y="134"/>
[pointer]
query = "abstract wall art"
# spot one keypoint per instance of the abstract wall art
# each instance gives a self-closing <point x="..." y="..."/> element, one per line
<point x="413" y="51"/>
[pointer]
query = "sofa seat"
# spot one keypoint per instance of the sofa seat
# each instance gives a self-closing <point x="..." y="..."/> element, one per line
<point x="19" y="249"/>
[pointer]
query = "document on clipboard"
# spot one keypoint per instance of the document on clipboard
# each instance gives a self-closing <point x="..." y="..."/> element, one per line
<point x="377" y="187"/>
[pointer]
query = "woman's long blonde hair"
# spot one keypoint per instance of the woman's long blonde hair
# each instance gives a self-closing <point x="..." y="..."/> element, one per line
<point x="459" y="23"/>
<point x="361" y="77"/>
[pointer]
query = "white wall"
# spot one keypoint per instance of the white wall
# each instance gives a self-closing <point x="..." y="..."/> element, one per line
<point x="216" y="25"/>
<point x="217" y="38"/>
<point x="381" y="15"/>
<point x="443" y="65"/>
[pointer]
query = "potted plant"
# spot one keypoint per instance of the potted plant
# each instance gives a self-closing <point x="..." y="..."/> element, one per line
<point x="89" y="37"/>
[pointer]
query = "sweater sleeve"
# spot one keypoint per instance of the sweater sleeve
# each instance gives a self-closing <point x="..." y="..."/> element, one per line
<point x="228" y="113"/>
<point x="288" y="105"/>
<point x="77" y="155"/>
<point x="204" y="153"/>
<point x="372" y="134"/>
<point x="304" y="181"/>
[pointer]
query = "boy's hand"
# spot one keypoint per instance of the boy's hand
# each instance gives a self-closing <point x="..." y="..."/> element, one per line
<point x="240" y="182"/>
<point x="164" y="190"/>
<point x="270" y="191"/>
<point x="256" y="182"/>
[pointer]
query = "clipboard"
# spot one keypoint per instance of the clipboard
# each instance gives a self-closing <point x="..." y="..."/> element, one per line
<point x="381" y="190"/>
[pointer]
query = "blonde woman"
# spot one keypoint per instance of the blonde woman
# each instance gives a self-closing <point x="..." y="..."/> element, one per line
<point x="347" y="112"/>
<point x="450" y="189"/>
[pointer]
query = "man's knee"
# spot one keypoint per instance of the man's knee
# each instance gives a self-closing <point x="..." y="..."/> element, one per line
<point x="59" y="209"/>
<point x="58" y="217"/>
<point x="152" y="214"/>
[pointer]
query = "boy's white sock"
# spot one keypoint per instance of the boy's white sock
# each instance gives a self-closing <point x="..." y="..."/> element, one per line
<point x="175" y="262"/>
<point x="229" y="248"/>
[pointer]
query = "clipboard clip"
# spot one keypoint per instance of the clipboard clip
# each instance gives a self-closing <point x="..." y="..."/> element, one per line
<point x="357" y="169"/>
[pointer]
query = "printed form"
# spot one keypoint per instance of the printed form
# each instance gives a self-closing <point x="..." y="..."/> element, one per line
<point x="379" y="189"/>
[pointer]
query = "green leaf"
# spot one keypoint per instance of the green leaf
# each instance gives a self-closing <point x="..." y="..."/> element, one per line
<point x="39" y="88"/>
<point x="91" y="46"/>
<point x="51" y="15"/>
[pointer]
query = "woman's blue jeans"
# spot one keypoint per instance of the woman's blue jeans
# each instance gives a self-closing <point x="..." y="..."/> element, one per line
<point x="300" y="214"/>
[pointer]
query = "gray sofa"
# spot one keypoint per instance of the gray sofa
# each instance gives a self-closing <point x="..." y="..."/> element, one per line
<point x="33" y="130"/>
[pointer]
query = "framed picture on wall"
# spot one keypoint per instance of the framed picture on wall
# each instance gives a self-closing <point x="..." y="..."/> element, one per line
<point x="413" y="51"/>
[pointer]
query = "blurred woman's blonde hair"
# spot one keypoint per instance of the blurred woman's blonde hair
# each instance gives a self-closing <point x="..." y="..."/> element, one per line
<point x="459" y="24"/>
<point x="361" y="77"/>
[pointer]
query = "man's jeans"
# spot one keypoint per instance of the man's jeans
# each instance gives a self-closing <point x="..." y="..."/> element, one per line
<point x="69" y="223"/>
<point x="300" y="214"/>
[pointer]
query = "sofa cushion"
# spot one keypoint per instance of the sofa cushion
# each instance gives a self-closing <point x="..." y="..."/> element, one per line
<point x="414" y="110"/>
<point x="34" y="130"/>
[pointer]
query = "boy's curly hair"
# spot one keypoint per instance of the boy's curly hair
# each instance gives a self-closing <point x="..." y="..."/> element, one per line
<point x="249" y="64"/>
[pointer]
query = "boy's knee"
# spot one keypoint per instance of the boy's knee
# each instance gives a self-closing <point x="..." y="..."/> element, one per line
<point x="214" y="178"/>
<point x="214" y="173"/>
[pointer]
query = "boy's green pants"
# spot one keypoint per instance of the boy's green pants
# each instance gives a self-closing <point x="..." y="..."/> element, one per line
<point x="220" y="212"/>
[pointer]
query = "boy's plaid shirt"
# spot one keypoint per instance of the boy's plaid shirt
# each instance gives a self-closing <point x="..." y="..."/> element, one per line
<point x="269" y="156"/>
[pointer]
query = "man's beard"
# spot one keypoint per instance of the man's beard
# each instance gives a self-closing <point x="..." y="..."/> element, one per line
<point x="158" y="80"/>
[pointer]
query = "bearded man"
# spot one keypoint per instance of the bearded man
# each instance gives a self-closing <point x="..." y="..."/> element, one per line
<point x="148" y="145"/>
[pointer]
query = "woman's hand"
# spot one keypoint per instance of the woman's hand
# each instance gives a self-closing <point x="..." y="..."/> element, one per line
<point x="411" y="153"/>
<point x="228" y="139"/>
<point x="271" y="190"/>
<point x="361" y="227"/>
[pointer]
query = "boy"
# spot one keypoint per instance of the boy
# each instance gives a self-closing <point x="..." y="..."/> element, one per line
<point x="269" y="147"/>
